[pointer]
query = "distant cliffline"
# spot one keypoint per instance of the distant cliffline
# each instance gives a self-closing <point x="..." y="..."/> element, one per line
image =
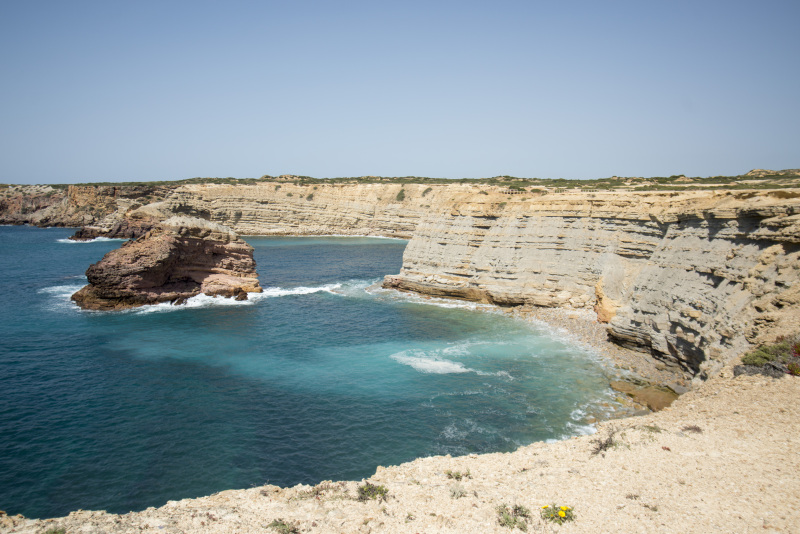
<point x="692" y="277"/>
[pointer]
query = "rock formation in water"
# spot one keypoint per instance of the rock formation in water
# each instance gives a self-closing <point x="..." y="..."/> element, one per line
<point x="179" y="258"/>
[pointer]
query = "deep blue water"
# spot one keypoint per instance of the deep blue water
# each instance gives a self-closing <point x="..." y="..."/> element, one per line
<point x="324" y="376"/>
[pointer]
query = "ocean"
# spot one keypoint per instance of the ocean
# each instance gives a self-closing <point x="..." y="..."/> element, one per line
<point x="323" y="376"/>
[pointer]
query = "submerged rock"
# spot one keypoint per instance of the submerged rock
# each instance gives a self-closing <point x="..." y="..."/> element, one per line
<point x="178" y="259"/>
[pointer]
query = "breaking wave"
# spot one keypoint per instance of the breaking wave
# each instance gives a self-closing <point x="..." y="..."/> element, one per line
<point x="95" y="240"/>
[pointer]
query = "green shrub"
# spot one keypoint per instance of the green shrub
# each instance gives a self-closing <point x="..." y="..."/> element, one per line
<point x="282" y="527"/>
<point x="757" y="357"/>
<point x="401" y="195"/>
<point x="457" y="491"/>
<point x="514" y="517"/>
<point x="457" y="475"/>
<point x="427" y="190"/>
<point x="369" y="491"/>
<point x="310" y="196"/>
<point x="557" y="514"/>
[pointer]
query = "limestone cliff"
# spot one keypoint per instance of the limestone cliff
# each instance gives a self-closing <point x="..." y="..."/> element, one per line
<point x="291" y="209"/>
<point x="179" y="258"/>
<point x="690" y="277"/>
<point x="74" y="205"/>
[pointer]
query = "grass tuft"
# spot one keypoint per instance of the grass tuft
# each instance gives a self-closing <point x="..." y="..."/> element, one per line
<point x="369" y="491"/>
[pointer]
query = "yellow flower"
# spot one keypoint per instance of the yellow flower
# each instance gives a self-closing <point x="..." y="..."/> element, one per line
<point x="565" y="508"/>
<point x="545" y="506"/>
<point x="561" y="513"/>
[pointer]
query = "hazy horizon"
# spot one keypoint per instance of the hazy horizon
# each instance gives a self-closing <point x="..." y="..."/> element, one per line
<point x="152" y="91"/>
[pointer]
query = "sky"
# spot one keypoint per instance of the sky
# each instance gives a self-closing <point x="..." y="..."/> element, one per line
<point x="166" y="90"/>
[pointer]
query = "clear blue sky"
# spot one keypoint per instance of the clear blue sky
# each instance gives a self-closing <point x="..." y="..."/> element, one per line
<point x="142" y="90"/>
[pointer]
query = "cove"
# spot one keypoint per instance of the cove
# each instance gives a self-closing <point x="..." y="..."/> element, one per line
<point x="323" y="376"/>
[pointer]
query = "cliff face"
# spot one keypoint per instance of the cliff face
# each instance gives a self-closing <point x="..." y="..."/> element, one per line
<point x="43" y="205"/>
<point x="288" y="209"/>
<point x="689" y="277"/>
<point x="179" y="258"/>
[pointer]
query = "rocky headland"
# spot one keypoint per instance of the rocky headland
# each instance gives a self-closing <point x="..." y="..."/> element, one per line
<point x="177" y="259"/>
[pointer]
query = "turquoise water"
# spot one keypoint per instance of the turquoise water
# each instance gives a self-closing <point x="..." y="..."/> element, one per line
<point x="323" y="376"/>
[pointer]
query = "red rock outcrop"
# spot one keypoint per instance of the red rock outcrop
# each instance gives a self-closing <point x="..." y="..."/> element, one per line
<point x="179" y="258"/>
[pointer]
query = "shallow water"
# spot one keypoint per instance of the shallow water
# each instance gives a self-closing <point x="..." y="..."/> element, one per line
<point x="323" y="376"/>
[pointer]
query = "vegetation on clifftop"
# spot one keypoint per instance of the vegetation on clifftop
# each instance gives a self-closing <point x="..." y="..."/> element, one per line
<point x="756" y="179"/>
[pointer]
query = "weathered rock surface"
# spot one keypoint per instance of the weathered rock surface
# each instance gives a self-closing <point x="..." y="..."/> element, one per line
<point x="75" y="205"/>
<point x="179" y="258"/>
<point x="690" y="277"/>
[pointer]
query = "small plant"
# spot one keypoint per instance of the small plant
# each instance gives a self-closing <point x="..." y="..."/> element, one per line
<point x="370" y="491"/>
<point x="282" y="527"/>
<point x="632" y="496"/>
<point x="557" y="514"/>
<point x="310" y="196"/>
<point x="602" y="445"/>
<point x="56" y="530"/>
<point x="502" y="205"/>
<point x="427" y="190"/>
<point x="457" y="475"/>
<point x="794" y="368"/>
<point x="457" y="491"/>
<point x="401" y="195"/>
<point x="653" y="429"/>
<point x="277" y="187"/>
<point x="288" y="194"/>
<point x="514" y="517"/>
<point x="693" y="428"/>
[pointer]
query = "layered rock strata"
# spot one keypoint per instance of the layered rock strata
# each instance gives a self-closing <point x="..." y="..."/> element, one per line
<point x="179" y="258"/>
<point x="75" y="205"/>
<point x="689" y="277"/>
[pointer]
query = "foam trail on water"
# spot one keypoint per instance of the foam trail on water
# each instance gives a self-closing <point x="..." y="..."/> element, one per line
<point x="434" y="365"/>
<point x="95" y="240"/>
<point x="205" y="301"/>
<point x="282" y="292"/>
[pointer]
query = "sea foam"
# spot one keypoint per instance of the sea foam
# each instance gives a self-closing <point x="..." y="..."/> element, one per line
<point x="95" y="240"/>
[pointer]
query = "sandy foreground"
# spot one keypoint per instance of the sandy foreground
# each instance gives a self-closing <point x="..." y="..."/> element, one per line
<point x="725" y="457"/>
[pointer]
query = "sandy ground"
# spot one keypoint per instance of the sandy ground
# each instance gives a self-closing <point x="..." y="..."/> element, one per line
<point x="725" y="457"/>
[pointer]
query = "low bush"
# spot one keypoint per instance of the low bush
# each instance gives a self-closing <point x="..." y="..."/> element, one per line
<point x="369" y="491"/>
<point x="282" y="527"/>
<point x="515" y="517"/>
<point x="557" y="514"/>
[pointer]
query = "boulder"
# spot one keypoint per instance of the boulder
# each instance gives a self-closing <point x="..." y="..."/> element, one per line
<point x="175" y="260"/>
